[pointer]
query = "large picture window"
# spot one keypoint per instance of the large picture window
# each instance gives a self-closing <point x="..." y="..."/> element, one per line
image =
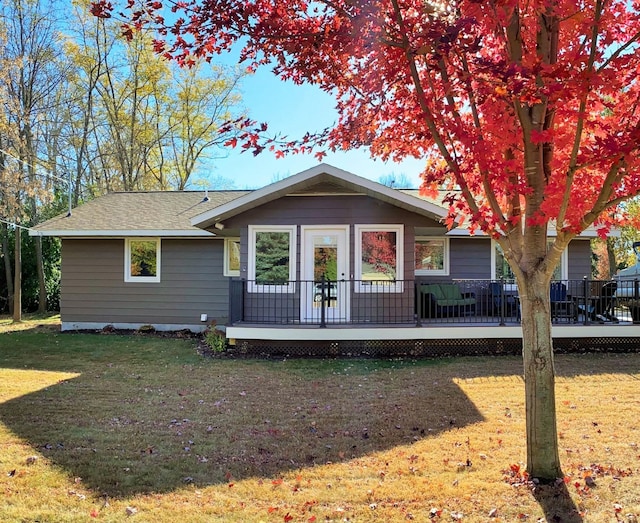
<point x="500" y="268"/>
<point x="142" y="260"/>
<point x="432" y="256"/>
<point x="272" y="258"/>
<point x="379" y="259"/>
<point x="231" y="257"/>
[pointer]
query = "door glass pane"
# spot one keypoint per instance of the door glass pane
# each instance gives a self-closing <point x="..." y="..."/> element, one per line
<point x="325" y="263"/>
<point x="325" y="257"/>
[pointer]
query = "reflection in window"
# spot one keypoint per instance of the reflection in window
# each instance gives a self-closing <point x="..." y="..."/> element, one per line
<point x="379" y="261"/>
<point x="379" y="258"/>
<point x="325" y="258"/>
<point x="272" y="262"/>
<point x="142" y="260"/>
<point x="503" y="271"/>
<point x="271" y="258"/>
<point x="431" y="256"/>
<point x="232" y="257"/>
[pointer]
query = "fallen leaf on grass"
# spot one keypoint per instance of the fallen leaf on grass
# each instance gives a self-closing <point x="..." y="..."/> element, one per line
<point x="435" y="513"/>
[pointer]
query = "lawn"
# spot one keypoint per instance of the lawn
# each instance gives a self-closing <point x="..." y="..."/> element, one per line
<point x="141" y="428"/>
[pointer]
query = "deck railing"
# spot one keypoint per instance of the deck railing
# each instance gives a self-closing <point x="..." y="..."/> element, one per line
<point x="423" y="301"/>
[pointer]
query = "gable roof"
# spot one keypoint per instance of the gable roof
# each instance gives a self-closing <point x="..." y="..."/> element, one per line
<point x="323" y="178"/>
<point x="152" y="213"/>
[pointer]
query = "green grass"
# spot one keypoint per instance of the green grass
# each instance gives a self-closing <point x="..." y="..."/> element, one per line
<point x="145" y="424"/>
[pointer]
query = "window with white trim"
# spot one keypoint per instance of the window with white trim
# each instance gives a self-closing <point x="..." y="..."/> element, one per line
<point x="431" y="256"/>
<point x="231" y="257"/>
<point x="500" y="268"/>
<point x="142" y="260"/>
<point x="379" y="257"/>
<point x="272" y="258"/>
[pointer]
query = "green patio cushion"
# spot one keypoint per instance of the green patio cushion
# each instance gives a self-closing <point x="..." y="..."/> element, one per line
<point x="460" y="302"/>
<point x="451" y="292"/>
<point x="434" y="289"/>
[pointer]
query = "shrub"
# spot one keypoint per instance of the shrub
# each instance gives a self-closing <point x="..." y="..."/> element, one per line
<point x="215" y="339"/>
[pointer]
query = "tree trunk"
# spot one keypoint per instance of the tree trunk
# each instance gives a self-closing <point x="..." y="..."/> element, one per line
<point x="611" y="253"/>
<point x="543" y="460"/>
<point x="42" y="287"/>
<point x="17" y="284"/>
<point x="7" y="266"/>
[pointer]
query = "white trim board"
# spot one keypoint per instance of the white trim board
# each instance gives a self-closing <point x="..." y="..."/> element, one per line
<point x="445" y="332"/>
<point x="124" y="233"/>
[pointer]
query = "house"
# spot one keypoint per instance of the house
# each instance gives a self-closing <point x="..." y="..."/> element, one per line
<point x="321" y="255"/>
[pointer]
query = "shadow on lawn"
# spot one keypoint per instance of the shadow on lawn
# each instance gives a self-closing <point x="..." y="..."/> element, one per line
<point x="127" y="430"/>
<point x="556" y="503"/>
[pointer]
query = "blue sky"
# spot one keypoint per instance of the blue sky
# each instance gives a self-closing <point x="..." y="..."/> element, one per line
<point x="293" y="110"/>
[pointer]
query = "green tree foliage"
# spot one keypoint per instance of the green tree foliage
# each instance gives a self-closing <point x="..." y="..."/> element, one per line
<point x="81" y="105"/>
<point x="272" y="257"/>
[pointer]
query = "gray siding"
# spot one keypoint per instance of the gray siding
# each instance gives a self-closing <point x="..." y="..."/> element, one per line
<point x="579" y="259"/>
<point x="93" y="287"/>
<point x="331" y="210"/>
<point x="470" y="258"/>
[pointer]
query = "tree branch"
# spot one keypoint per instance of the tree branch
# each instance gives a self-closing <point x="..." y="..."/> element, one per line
<point x="564" y="206"/>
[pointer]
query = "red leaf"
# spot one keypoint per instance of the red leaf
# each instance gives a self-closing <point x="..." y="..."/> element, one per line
<point x="288" y="517"/>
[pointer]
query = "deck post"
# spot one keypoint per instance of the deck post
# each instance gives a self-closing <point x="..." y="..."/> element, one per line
<point x="585" y="290"/>
<point x="418" y="299"/>
<point x="323" y="319"/>
<point x="502" y="304"/>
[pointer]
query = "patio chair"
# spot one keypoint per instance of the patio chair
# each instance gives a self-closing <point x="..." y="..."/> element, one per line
<point x="562" y="307"/>
<point x="600" y="308"/>
<point x="502" y="303"/>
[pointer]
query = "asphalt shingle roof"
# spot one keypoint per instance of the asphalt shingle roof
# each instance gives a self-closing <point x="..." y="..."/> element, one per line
<point x="139" y="211"/>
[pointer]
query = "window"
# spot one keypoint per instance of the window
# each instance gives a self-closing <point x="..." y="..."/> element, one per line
<point x="501" y="270"/>
<point x="231" y="257"/>
<point x="432" y="256"/>
<point x="272" y="257"/>
<point x="379" y="259"/>
<point x="142" y="260"/>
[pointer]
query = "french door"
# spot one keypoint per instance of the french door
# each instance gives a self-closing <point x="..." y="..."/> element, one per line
<point x="325" y="256"/>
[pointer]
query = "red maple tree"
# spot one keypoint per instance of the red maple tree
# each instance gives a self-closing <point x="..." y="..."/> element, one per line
<point x="528" y="111"/>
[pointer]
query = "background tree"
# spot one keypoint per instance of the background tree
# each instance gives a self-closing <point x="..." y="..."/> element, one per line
<point x="32" y="75"/>
<point x="206" y="97"/>
<point x="397" y="181"/>
<point x="528" y="109"/>
<point x="81" y="105"/>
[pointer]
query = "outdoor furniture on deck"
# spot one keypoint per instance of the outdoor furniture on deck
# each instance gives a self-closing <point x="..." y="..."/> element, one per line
<point x="440" y="300"/>
<point x="504" y="299"/>
<point x="599" y="305"/>
<point x="562" y="306"/>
